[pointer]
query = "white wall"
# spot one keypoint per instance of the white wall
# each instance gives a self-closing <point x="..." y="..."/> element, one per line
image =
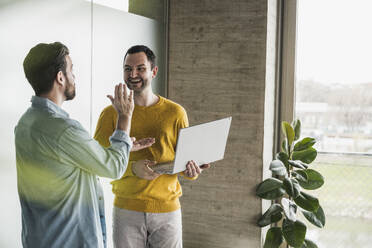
<point x="23" y="24"/>
<point x="113" y="33"/>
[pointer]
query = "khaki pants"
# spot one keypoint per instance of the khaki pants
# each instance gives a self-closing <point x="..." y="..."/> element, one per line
<point x="133" y="229"/>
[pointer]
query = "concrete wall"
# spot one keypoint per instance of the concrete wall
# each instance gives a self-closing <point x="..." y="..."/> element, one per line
<point x="218" y="66"/>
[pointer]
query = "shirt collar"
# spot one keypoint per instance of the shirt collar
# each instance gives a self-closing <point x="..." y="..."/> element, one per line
<point x="45" y="103"/>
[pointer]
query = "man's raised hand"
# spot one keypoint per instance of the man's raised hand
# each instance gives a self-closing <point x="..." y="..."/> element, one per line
<point x="122" y="100"/>
<point x="124" y="106"/>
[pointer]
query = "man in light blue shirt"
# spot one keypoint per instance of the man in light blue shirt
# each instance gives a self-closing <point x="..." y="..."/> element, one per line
<point x="58" y="162"/>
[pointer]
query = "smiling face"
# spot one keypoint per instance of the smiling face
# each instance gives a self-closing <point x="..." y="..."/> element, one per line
<point x="138" y="73"/>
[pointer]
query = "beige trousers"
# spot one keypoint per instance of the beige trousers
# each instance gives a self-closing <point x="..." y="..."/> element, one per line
<point x="133" y="229"/>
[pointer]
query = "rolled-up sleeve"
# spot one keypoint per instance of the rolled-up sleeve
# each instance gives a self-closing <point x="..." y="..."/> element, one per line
<point x="119" y="139"/>
<point x="78" y="149"/>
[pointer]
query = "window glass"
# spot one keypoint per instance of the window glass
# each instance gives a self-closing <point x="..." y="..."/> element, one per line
<point x="333" y="74"/>
<point x="333" y="85"/>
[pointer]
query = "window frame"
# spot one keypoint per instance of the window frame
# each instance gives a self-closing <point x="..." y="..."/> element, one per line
<point x="286" y="81"/>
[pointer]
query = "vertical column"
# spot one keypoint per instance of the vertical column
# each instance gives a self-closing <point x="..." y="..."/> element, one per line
<point x="221" y="64"/>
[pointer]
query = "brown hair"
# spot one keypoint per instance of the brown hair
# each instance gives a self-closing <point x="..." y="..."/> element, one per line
<point x="42" y="64"/>
<point x="141" y="48"/>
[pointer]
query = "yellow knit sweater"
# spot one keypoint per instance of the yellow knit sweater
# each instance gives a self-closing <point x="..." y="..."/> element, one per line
<point x="161" y="121"/>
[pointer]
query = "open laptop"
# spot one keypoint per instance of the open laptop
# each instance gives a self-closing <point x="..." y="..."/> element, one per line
<point x="203" y="143"/>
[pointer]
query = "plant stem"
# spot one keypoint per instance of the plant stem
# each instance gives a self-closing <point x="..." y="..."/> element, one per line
<point x="290" y="168"/>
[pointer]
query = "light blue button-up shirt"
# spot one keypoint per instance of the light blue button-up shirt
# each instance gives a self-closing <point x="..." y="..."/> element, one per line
<point x="57" y="168"/>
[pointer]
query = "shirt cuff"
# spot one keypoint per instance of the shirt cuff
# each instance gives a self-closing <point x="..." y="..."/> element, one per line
<point x="188" y="178"/>
<point x="120" y="136"/>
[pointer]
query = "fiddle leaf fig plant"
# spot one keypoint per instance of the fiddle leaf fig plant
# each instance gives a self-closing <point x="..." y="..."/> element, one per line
<point x="291" y="176"/>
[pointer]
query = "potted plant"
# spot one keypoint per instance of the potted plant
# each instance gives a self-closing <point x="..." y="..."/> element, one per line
<point x="291" y="175"/>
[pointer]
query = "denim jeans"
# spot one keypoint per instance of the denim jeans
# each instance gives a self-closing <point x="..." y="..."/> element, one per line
<point x="103" y="226"/>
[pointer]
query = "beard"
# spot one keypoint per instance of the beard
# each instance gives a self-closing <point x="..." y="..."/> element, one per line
<point x="70" y="91"/>
<point x="137" y="87"/>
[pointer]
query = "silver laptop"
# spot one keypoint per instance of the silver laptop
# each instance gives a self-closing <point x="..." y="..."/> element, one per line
<point x="204" y="143"/>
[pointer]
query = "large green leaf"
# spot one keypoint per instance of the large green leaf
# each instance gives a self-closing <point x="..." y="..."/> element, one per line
<point x="274" y="238"/>
<point x="309" y="244"/>
<point x="272" y="215"/>
<point x="270" y="189"/>
<point x="294" y="232"/>
<point x="304" y="144"/>
<point x="300" y="175"/>
<point x="292" y="187"/>
<point x="314" y="180"/>
<point x="282" y="156"/>
<point x="277" y="167"/>
<point x="290" y="209"/>
<point x="296" y="124"/>
<point x="307" y="156"/>
<point x="317" y="218"/>
<point x="288" y="132"/>
<point x="298" y="164"/>
<point x="307" y="202"/>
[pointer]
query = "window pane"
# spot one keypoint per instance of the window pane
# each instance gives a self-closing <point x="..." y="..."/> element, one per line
<point x="346" y="198"/>
<point x="333" y="81"/>
<point x="334" y="76"/>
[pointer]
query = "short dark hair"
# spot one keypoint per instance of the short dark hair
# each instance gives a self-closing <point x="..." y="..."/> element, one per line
<point x="42" y="64"/>
<point x="141" y="48"/>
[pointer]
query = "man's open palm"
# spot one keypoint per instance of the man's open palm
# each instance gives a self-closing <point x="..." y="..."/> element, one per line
<point x="141" y="144"/>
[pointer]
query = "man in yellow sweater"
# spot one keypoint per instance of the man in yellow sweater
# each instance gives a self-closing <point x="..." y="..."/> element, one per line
<point x="147" y="212"/>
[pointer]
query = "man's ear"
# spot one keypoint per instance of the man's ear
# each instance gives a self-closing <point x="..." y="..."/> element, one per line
<point x="154" y="71"/>
<point x="60" y="78"/>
